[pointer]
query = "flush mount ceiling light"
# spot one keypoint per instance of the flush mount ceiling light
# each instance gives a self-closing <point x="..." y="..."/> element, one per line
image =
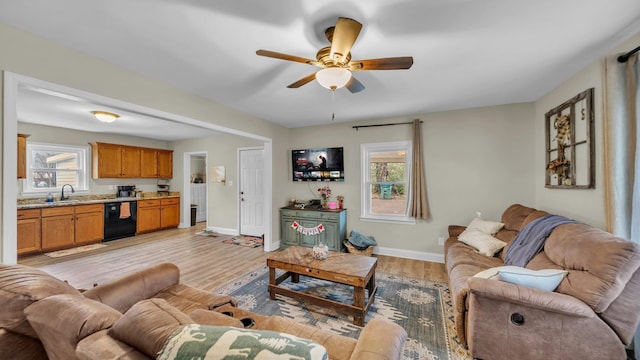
<point x="105" y="116"/>
<point x="333" y="78"/>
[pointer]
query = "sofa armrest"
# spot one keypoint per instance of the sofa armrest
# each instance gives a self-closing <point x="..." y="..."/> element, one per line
<point x="528" y="296"/>
<point x="122" y="293"/>
<point x="455" y="230"/>
<point x="380" y="340"/>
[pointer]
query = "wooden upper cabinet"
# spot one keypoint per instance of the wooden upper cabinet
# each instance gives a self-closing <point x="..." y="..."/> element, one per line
<point x="122" y="161"/>
<point x="165" y="164"/>
<point x="149" y="163"/>
<point x="22" y="156"/>
<point x="130" y="162"/>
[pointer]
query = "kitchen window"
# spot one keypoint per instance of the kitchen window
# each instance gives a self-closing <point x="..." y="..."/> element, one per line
<point x="385" y="181"/>
<point x="49" y="166"/>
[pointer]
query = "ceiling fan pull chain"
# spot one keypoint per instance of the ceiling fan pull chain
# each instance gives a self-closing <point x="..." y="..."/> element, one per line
<point x="333" y="104"/>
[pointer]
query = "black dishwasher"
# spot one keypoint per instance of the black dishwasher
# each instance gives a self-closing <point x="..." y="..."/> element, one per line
<point x="119" y="219"/>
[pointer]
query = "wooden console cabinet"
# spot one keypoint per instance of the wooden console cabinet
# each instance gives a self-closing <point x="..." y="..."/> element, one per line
<point x="333" y="221"/>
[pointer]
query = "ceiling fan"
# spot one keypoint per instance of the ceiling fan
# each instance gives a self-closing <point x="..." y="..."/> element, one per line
<point x="335" y="60"/>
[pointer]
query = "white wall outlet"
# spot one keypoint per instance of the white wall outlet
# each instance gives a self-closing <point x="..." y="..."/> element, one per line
<point x="230" y="183"/>
<point x="441" y="241"/>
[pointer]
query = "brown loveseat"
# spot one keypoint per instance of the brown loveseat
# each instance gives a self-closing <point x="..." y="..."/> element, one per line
<point x="130" y="318"/>
<point x="592" y="314"/>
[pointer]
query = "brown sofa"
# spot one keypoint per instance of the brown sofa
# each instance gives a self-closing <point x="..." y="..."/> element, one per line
<point x="130" y="318"/>
<point x="592" y="314"/>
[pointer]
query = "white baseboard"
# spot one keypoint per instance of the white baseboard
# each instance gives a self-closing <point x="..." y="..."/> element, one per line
<point x="274" y="246"/>
<point x="224" y="231"/>
<point x="409" y="254"/>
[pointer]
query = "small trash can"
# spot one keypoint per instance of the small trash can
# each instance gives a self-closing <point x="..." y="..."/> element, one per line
<point x="385" y="191"/>
<point x="194" y="210"/>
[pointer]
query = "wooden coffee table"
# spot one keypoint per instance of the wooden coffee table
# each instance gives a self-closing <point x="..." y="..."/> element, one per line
<point x="343" y="268"/>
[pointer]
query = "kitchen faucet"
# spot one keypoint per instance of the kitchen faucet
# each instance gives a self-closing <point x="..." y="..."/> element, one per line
<point x="62" y="197"/>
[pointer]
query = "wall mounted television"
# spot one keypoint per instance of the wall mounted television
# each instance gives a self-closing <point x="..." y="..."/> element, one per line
<point x="321" y="164"/>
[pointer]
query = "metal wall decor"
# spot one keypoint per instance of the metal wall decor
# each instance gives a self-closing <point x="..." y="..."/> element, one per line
<point x="570" y="148"/>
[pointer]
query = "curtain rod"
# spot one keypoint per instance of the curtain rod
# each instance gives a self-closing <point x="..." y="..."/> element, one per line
<point x="390" y="124"/>
<point x="624" y="57"/>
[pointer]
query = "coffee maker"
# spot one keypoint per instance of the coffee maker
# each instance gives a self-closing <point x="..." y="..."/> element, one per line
<point x="126" y="191"/>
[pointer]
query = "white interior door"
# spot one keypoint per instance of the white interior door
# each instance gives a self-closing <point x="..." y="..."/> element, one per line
<point x="251" y="189"/>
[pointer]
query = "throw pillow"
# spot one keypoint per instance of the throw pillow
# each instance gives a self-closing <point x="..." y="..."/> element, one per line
<point x="547" y="279"/>
<point x="484" y="243"/>
<point x="196" y="341"/>
<point x="486" y="226"/>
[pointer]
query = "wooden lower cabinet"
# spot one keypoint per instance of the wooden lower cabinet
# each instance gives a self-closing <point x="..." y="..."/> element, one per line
<point x="148" y="215"/>
<point x="89" y="224"/>
<point x="29" y="231"/>
<point x="158" y="214"/>
<point x="169" y="212"/>
<point x="68" y="226"/>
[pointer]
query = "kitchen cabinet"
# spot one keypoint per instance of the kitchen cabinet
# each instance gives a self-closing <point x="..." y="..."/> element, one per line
<point x="123" y="161"/>
<point x="148" y="215"/>
<point x="89" y="223"/>
<point x="22" y="156"/>
<point x="165" y="164"/>
<point x="169" y="212"/>
<point x="334" y="223"/>
<point x="149" y="163"/>
<point x="67" y="226"/>
<point x="156" y="214"/>
<point x="28" y="231"/>
<point x="58" y="230"/>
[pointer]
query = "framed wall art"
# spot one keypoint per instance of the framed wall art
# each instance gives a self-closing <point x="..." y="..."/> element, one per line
<point x="570" y="148"/>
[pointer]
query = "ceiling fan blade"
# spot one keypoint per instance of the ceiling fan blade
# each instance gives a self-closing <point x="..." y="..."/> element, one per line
<point x="305" y="80"/>
<point x="281" y="56"/>
<point x="344" y="35"/>
<point x="393" y="63"/>
<point x="354" y="85"/>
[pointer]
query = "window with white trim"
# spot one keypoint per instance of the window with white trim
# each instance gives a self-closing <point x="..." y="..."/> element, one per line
<point x="385" y="181"/>
<point x="49" y="166"/>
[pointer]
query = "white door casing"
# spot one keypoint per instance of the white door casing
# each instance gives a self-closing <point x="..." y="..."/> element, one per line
<point x="251" y="192"/>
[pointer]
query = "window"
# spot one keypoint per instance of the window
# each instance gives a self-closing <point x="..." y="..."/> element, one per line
<point x="50" y="166"/>
<point x="385" y="181"/>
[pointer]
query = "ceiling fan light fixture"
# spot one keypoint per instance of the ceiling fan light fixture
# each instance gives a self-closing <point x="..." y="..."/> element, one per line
<point x="105" y="116"/>
<point x="333" y="78"/>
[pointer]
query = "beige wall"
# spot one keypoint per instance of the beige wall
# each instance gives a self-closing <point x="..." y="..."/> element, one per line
<point x="35" y="57"/>
<point x="583" y="205"/>
<point x="476" y="159"/>
<point x="222" y="199"/>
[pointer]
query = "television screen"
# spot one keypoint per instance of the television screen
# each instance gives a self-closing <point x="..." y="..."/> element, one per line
<point x="323" y="164"/>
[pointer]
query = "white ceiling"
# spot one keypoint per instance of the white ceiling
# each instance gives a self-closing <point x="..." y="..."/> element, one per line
<point x="467" y="53"/>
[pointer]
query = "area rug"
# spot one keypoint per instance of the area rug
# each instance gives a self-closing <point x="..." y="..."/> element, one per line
<point x="76" y="250"/>
<point x="422" y="307"/>
<point x="244" y="240"/>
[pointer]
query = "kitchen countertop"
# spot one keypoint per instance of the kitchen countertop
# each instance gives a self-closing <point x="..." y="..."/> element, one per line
<point x="89" y="199"/>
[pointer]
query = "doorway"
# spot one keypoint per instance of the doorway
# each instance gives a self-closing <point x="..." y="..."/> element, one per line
<point x="195" y="185"/>
<point x="251" y="191"/>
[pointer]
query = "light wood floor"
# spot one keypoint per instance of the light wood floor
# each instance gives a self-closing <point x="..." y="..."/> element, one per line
<point x="204" y="261"/>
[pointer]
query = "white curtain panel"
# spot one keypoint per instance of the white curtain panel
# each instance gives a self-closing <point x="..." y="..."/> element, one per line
<point x="622" y="152"/>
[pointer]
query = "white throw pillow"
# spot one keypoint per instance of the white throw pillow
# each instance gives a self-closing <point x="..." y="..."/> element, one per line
<point x="486" y="226"/>
<point x="484" y="243"/>
<point x="491" y="273"/>
<point x="547" y="279"/>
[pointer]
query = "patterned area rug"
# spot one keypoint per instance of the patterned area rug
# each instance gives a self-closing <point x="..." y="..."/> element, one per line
<point x="76" y="250"/>
<point x="421" y="307"/>
<point x="244" y="240"/>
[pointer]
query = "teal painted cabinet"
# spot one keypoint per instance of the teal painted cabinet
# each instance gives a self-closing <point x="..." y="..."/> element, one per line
<point x="334" y="225"/>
